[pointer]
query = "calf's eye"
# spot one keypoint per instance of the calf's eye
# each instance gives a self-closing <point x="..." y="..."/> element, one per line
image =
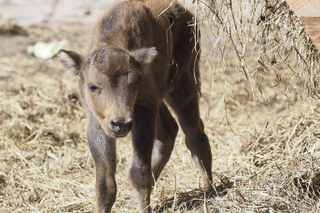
<point x="135" y="85"/>
<point x="93" y="88"/>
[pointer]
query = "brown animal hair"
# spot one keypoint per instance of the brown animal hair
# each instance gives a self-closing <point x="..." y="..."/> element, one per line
<point x="127" y="78"/>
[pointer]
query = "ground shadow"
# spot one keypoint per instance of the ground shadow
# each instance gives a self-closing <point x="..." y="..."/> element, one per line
<point x="195" y="198"/>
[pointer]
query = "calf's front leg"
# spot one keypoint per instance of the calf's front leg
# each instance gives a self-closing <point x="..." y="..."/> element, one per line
<point x="143" y="135"/>
<point x="103" y="150"/>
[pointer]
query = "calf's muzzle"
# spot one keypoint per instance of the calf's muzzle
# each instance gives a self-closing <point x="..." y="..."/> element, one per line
<point x="121" y="126"/>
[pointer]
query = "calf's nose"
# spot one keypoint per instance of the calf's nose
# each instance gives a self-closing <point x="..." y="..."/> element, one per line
<point x="121" y="126"/>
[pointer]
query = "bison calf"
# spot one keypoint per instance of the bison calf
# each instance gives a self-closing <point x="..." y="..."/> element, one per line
<point x="141" y="54"/>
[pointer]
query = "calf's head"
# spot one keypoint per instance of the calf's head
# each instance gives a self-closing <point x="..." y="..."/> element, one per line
<point x="109" y="83"/>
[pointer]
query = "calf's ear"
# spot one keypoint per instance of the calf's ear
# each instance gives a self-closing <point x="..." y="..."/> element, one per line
<point x="71" y="61"/>
<point x="145" y="56"/>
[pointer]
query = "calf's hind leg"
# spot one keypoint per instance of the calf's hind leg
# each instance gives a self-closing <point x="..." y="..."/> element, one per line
<point x="184" y="101"/>
<point x="167" y="129"/>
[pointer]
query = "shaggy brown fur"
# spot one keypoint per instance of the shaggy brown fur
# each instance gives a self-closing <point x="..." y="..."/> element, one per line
<point x="141" y="53"/>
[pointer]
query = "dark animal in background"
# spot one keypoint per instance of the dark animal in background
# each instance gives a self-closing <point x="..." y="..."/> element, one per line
<point x="141" y="54"/>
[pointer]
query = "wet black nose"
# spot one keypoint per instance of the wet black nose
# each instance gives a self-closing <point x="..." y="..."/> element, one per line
<point x="121" y="127"/>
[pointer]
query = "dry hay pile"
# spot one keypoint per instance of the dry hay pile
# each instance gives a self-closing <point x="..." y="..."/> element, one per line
<point x="259" y="104"/>
<point x="44" y="159"/>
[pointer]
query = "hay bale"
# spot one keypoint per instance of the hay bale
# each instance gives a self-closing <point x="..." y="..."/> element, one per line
<point x="269" y="44"/>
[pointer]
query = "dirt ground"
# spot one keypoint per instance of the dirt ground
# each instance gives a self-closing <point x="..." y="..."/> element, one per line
<point x="264" y="139"/>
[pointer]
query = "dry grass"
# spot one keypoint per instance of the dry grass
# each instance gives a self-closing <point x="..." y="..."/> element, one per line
<point x="259" y="104"/>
